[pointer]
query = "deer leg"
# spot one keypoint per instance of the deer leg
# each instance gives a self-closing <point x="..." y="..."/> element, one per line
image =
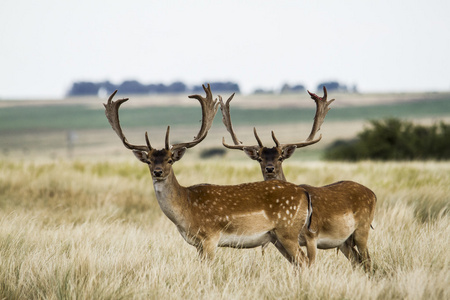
<point x="206" y="249"/>
<point x="289" y="247"/>
<point x="350" y="252"/>
<point x="263" y="248"/>
<point x="360" y="237"/>
<point x="311" y="248"/>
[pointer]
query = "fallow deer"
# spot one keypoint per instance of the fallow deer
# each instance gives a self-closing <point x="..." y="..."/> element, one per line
<point x="342" y="211"/>
<point x="209" y="216"/>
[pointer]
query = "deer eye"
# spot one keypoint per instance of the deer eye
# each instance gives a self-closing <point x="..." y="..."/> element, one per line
<point x="170" y="161"/>
<point x="259" y="159"/>
<point x="281" y="159"/>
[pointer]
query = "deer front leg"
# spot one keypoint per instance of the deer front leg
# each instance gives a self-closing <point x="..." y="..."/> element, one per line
<point x="263" y="248"/>
<point x="207" y="248"/>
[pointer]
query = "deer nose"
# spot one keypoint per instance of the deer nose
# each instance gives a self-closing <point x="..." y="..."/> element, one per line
<point x="157" y="173"/>
<point x="270" y="169"/>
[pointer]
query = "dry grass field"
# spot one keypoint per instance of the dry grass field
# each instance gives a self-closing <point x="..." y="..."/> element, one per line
<point x="92" y="229"/>
<point x="83" y="223"/>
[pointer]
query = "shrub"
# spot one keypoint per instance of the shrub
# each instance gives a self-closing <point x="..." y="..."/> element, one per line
<point x="211" y="152"/>
<point x="393" y="139"/>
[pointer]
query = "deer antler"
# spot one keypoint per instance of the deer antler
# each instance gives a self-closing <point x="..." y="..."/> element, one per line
<point x="226" y="119"/>
<point x="209" y="110"/>
<point x="321" y="111"/>
<point x="112" y="114"/>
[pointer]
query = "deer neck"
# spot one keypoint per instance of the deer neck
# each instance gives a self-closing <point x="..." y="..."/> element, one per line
<point x="171" y="197"/>
<point x="279" y="176"/>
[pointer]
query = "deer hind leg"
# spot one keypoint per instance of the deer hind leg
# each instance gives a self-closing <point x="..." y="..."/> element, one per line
<point x="289" y="247"/>
<point x="361" y="236"/>
<point x="348" y="249"/>
<point x="311" y="249"/>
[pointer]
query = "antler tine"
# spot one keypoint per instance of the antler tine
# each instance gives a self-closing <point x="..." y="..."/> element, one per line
<point x="147" y="141"/>
<point x="226" y="118"/>
<point x="260" y="144"/>
<point x="277" y="143"/>
<point x="167" y="144"/>
<point x="321" y="111"/>
<point x="112" y="114"/>
<point x="239" y="147"/>
<point x="209" y="110"/>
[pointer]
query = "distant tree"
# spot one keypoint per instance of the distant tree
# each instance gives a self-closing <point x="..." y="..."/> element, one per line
<point x="107" y="87"/>
<point x="332" y="86"/>
<point x="287" y="89"/>
<point x="229" y="87"/>
<point x="133" y="87"/>
<point x="260" y="91"/>
<point x="177" y="87"/>
<point x="83" y="88"/>
<point x="160" y="88"/>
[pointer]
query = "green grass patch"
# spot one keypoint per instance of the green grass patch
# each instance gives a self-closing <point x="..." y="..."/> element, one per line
<point x="77" y="117"/>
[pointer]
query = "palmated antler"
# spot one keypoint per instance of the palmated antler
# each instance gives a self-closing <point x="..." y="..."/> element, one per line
<point x="321" y="111"/>
<point x="112" y="114"/>
<point x="226" y="119"/>
<point x="209" y="110"/>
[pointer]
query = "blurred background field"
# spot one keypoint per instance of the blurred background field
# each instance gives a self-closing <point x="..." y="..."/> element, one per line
<point x="77" y="127"/>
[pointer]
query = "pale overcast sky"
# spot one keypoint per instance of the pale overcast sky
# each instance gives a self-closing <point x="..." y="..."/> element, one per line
<point x="384" y="45"/>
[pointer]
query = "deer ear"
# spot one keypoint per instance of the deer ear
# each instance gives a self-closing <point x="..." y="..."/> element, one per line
<point x="288" y="151"/>
<point x="251" y="152"/>
<point x="141" y="155"/>
<point x="177" y="154"/>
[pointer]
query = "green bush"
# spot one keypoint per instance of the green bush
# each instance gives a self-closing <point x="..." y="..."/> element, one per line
<point x="394" y="139"/>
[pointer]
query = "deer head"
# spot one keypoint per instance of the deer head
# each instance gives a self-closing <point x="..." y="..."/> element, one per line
<point x="160" y="161"/>
<point x="271" y="159"/>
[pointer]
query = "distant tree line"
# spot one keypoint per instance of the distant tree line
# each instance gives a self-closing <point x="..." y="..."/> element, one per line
<point x="87" y="88"/>
<point x="332" y="86"/>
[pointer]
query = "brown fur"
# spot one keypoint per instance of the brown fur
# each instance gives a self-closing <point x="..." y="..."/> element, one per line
<point x="207" y="216"/>
<point x="341" y="212"/>
<point x="239" y="216"/>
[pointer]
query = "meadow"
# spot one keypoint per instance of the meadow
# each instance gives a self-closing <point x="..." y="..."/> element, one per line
<point x="38" y="128"/>
<point x="89" y="229"/>
<point x="86" y="224"/>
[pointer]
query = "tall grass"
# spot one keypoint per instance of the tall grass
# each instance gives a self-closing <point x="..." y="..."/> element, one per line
<point x="93" y="230"/>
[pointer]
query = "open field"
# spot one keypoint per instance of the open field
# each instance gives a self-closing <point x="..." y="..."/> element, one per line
<point x="83" y="222"/>
<point x="92" y="229"/>
<point x="41" y="128"/>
